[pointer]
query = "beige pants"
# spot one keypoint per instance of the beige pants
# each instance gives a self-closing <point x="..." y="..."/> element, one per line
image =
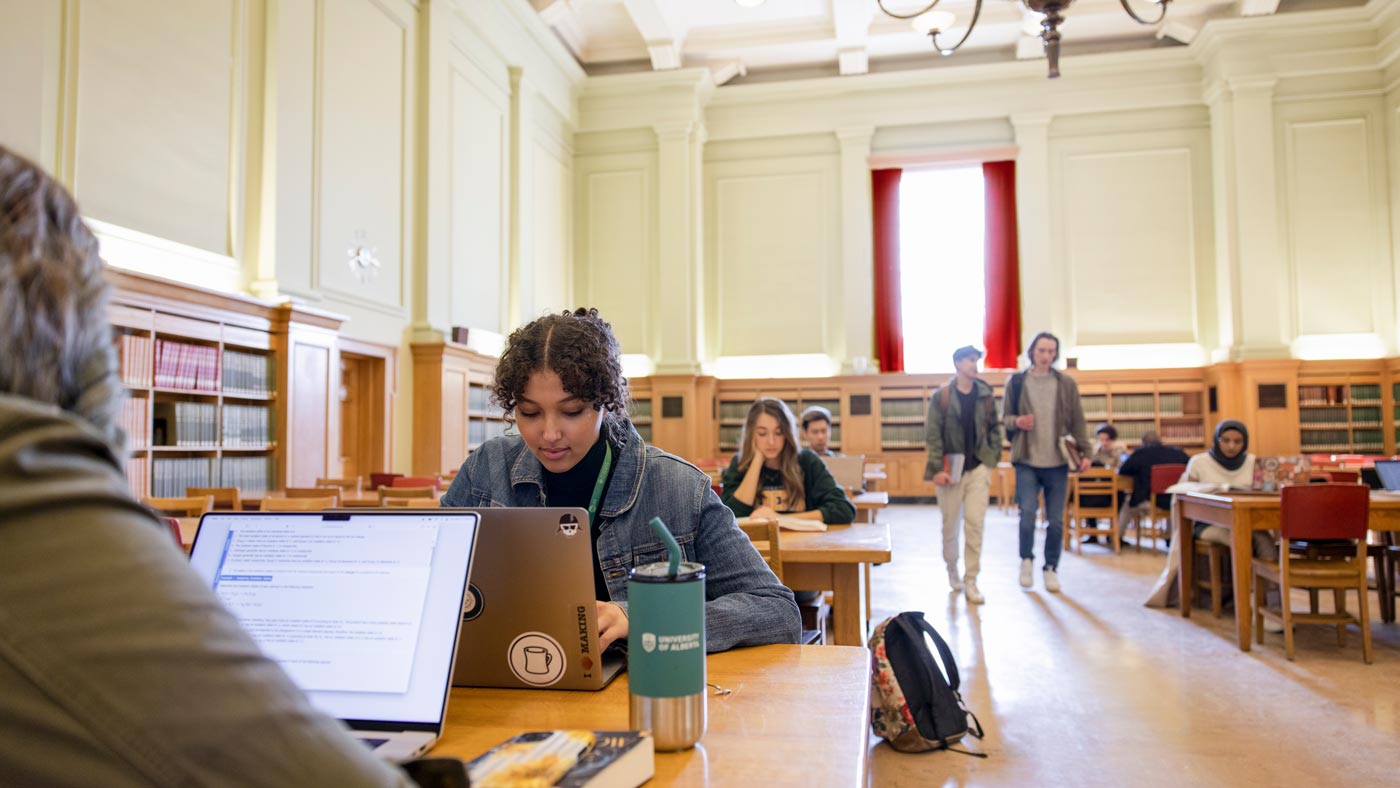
<point x="965" y="501"/>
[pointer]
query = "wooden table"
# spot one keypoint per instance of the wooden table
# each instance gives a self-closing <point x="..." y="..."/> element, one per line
<point x="834" y="559"/>
<point x="348" y="498"/>
<point x="1244" y="513"/>
<point x="868" y="503"/>
<point x="797" y="714"/>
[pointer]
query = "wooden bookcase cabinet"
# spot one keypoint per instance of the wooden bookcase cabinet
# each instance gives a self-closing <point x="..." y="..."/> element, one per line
<point x="298" y="344"/>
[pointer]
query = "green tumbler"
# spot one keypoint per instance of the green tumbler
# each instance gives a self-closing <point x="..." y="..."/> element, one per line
<point x="666" y="650"/>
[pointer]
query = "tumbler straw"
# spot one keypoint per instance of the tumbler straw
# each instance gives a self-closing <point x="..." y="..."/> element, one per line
<point x="675" y="549"/>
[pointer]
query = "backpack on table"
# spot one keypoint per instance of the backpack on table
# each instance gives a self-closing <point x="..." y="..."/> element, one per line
<point x="912" y="705"/>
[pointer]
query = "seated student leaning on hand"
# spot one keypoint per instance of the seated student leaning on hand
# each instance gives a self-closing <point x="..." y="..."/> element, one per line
<point x="560" y="382"/>
<point x="771" y="475"/>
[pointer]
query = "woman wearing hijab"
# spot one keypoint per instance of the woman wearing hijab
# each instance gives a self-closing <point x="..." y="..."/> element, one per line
<point x="1227" y="463"/>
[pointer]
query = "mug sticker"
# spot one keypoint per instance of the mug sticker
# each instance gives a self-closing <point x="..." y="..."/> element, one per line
<point x="536" y="659"/>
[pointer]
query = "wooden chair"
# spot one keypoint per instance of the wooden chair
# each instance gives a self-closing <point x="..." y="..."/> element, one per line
<point x="387" y="493"/>
<point x="377" y="480"/>
<point x="417" y="481"/>
<point x="224" y="497"/>
<point x="412" y="503"/>
<point x="298" y="504"/>
<point x="313" y="492"/>
<point x="356" y="484"/>
<point x="173" y="523"/>
<point x="1091" y="484"/>
<point x="1343" y="477"/>
<point x="193" y="506"/>
<point x="1159" y="520"/>
<point x="1312" y="512"/>
<point x="1217" y="570"/>
<point x="766" y="539"/>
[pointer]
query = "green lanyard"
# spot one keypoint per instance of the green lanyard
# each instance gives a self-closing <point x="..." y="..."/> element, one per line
<point x="600" y="484"/>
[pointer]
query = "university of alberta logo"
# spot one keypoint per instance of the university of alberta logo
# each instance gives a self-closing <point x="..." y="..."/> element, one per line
<point x="648" y="642"/>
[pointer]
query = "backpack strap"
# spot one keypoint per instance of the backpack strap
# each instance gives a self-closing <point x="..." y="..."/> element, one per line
<point x="913" y="625"/>
<point x="916" y="627"/>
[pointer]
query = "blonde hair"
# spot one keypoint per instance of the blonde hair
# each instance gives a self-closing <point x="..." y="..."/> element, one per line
<point x="794" y="492"/>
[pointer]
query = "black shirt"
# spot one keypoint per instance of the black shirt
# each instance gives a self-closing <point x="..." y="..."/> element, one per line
<point x="967" y="405"/>
<point x="574" y="487"/>
<point x="1139" y="466"/>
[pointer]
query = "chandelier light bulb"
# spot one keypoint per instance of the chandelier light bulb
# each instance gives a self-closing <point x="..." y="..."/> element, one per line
<point x="933" y="21"/>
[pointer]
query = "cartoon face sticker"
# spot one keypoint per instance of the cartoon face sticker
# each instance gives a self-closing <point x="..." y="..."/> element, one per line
<point x="568" y="525"/>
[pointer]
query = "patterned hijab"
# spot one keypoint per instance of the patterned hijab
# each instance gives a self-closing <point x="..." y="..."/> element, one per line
<point x="1230" y="463"/>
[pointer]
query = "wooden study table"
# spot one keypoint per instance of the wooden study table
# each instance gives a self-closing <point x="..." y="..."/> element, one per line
<point x="348" y="499"/>
<point x="798" y="715"/>
<point x="834" y="559"/>
<point x="1244" y="513"/>
<point x="867" y="503"/>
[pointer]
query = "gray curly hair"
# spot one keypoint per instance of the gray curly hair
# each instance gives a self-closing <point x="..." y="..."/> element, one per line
<point x="53" y="302"/>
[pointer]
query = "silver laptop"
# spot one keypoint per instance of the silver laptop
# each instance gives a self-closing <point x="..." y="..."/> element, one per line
<point x="361" y="609"/>
<point x="530" y="619"/>
<point x="849" y="472"/>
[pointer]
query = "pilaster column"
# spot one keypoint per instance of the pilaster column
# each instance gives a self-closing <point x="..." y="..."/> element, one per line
<point x="677" y="335"/>
<point x="1043" y="292"/>
<point x="857" y="316"/>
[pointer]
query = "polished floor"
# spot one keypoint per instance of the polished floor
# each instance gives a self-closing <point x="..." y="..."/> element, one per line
<point x="1088" y="687"/>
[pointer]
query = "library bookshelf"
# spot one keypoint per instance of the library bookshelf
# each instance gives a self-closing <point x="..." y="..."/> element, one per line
<point x="211" y="392"/>
<point x="452" y="409"/>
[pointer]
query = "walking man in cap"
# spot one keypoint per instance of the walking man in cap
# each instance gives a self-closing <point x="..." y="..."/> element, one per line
<point x="963" y="433"/>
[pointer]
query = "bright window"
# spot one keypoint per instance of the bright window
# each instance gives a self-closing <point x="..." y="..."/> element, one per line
<point x="942" y="273"/>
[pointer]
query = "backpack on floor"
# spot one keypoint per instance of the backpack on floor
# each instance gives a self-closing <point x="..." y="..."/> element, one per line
<point x="912" y="705"/>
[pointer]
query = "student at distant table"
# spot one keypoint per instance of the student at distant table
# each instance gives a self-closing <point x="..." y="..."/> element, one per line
<point x="1139" y="466"/>
<point x="1107" y="453"/>
<point x="118" y="667"/>
<point x="816" y="430"/>
<point x="560" y="382"/>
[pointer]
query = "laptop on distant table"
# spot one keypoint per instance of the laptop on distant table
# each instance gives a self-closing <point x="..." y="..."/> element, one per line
<point x="530" y="620"/>
<point x="361" y="609"/>
<point x="1389" y="473"/>
<point x="849" y="472"/>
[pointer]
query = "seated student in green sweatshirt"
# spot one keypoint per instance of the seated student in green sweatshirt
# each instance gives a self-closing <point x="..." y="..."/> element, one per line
<point x="772" y="475"/>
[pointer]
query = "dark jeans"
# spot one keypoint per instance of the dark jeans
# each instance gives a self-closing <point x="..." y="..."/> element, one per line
<point x="1029" y="483"/>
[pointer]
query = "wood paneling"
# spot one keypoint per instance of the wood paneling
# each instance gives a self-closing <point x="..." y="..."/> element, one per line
<point x="443" y="373"/>
<point x="308" y="409"/>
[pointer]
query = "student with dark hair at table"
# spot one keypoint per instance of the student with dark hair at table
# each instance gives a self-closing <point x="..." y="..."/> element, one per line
<point x="816" y="430"/>
<point x="1139" y="467"/>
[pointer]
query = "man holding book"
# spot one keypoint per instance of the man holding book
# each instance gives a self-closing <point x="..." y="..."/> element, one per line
<point x="963" y="433"/>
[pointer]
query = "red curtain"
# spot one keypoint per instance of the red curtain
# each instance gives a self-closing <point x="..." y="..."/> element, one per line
<point x="1002" y="332"/>
<point x="889" y="337"/>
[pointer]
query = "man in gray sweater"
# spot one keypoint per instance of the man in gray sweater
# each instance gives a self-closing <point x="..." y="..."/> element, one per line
<point x="1041" y="406"/>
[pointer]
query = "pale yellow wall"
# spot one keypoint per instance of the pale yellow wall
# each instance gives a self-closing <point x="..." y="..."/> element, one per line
<point x="249" y="145"/>
<point x="1224" y="200"/>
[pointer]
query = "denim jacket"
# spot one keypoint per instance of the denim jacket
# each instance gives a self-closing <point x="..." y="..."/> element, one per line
<point x="745" y="605"/>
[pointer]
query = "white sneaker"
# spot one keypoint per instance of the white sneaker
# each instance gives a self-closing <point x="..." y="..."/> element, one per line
<point x="954" y="580"/>
<point x="1273" y="627"/>
<point x="1052" y="581"/>
<point x="1026" y="572"/>
<point x="974" y="597"/>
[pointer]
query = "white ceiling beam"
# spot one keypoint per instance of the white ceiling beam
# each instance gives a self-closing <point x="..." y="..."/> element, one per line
<point x="724" y="71"/>
<point x="851" y="19"/>
<point x="661" y="34"/>
<point x="1183" y="31"/>
<point x="1258" y="7"/>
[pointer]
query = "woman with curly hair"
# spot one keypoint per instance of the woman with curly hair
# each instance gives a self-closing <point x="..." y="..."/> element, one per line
<point x="560" y="382"/>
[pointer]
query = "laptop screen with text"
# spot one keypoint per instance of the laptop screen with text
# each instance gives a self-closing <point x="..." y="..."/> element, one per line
<point x="361" y="610"/>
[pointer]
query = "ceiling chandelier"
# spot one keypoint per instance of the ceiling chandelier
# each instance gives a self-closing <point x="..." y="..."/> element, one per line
<point x="931" y="23"/>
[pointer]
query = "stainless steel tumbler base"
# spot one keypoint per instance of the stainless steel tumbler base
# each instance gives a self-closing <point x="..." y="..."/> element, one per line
<point x="675" y="723"/>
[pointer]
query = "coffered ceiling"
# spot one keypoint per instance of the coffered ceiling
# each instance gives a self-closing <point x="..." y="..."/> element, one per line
<point x="791" y="39"/>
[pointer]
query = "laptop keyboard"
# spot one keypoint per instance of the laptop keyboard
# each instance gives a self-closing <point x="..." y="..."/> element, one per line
<point x="373" y="744"/>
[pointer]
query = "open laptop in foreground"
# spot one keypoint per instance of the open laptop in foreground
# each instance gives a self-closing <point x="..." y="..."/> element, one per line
<point x="530" y="619"/>
<point x="361" y="609"/>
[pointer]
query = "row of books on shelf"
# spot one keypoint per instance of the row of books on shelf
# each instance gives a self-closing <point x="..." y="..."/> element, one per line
<point x="185" y="424"/>
<point x="1183" y="433"/>
<point x="1342" y="437"/>
<point x="481" y="430"/>
<point x="134" y="420"/>
<point x="181" y="365"/>
<point x="639" y="409"/>
<point x="247" y="426"/>
<point x="902" y="408"/>
<point x="170" y="476"/>
<point x="195" y="425"/>
<point x="247" y="373"/>
<point x="138" y="476"/>
<point x="478" y="398"/>
<point x="902" y="435"/>
<point x="1366" y="393"/>
<point x="134" y="359"/>
<point x="1132" y="431"/>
